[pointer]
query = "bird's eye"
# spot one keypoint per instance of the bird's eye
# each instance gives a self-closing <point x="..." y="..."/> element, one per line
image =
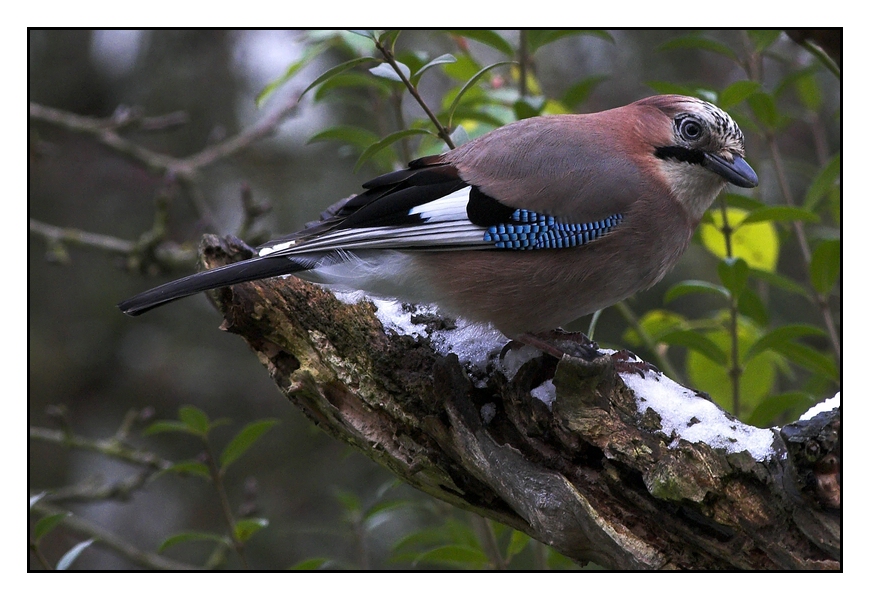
<point x="690" y="129"/>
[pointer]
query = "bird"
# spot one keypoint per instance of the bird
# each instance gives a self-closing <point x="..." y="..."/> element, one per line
<point x="525" y="228"/>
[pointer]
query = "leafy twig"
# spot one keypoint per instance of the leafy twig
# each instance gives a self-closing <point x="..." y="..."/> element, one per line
<point x="108" y="539"/>
<point x="733" y="314"/>
<point x="391" y="59"/>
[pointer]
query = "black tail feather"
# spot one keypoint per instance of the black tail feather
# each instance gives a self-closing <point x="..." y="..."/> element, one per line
<point x="240" y="272"/>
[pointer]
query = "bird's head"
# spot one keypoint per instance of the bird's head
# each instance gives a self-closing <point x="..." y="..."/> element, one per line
<point x="698" y="149"/>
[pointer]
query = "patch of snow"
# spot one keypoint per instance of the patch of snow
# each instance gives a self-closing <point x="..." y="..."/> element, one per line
<point x="546" y="393"/>
<point x="686" y="415"/>
<point x="824" y="406"/>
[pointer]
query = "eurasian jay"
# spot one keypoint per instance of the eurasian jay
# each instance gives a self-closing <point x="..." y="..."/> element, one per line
<point x="528" y="227"/>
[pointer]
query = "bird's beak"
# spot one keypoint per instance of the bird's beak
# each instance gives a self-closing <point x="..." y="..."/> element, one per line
<point x="737" y="171"/>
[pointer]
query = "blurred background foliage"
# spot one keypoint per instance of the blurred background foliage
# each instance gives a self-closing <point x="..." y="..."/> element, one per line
<point x="225" y="473"/>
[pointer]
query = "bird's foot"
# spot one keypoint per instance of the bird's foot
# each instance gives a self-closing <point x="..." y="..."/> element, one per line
<point x="626" y="361"/>
<point x="559" y="342"/>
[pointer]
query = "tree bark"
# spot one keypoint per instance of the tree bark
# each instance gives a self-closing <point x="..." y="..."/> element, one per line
<point x="591" y="475"/>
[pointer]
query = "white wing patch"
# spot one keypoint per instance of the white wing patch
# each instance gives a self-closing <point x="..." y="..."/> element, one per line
<point x="444" y="225"/>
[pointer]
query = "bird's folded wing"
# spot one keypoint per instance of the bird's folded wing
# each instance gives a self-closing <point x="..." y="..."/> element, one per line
<point x="441" y="224"/>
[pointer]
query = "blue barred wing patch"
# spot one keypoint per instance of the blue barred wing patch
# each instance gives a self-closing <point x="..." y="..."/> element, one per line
<point x="529" y="230"/>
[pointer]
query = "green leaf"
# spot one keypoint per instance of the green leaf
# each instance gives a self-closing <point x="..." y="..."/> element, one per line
<point x="193" y="536"/>
<point x="464" y="68"/>
<point x="744" y="203"/>
<point x="695" y="286"/>
<point x="737" y="92"/>
<point x="762" y="38"/>
<point x="386" y="506"/>
<point x="245" y="528"/>
<point x="536" y="38"/>
<point x="359" y="137"/>
<point x="441" y="60"/>
<point x="751" y="305"/>
<point x="697" y="342"/>
<point x="385" y="143"/>
<point x="789" y="403"/>
<point x="529" y="106"/>
<point x="194" y="418"/>
<point x="775" y="338"/>
<point x="517" y="544"/>
<point x="387" y="71"/>
<point x="371" y="34"/>
<point x="336" y="70"/>
<point x="756" y="243"/>
<point x="666" y="87"/>
<point x="810" y="92"/>
<point x="764" y="109"/>
<point x="580" y="91"/>
<point x="780" y="281"/>
<point x="733" y="272"/>
<point x="47" y="523"/>
<point x="243" y="440"/>
<point x="756" y="380"/>
<point x="464" y="557"/>
<point x="812" y="360"/>
<point x="655" y="323"/>
<point x="169" y="426"/>
<point x="692" y="42"/>
<point x="70" y="557"/>
<point x="310" y="53"/>
<point x="351" y="80"/>
<point x="827" y="178"/>
<point x="349" y="501"/>
<point x="780" y="213"/>
<point x="825" y="266"/>
<point x="487" y="37"/>
<point x="469" y="85"/>
<point x="310" y="564"/>
<point x="191" y="467"/>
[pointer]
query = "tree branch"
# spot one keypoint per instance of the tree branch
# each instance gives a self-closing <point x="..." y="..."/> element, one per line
<point x="601" y="474"/>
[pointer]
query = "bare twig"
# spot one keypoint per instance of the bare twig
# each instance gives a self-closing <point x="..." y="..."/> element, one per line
<point x="483" y="529"/>
<point x="184" y="171"/>
<point x="524" y="63"/>
<point x="109" y="447"/>
<point x="71" y="235"/>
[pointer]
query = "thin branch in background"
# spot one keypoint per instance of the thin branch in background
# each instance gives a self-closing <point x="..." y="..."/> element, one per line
<point x="109" y="447"/>
<point x="524" y="63"/>
<point x="662" y="360"/>
<point x="251" y="211"/>
<point x="484" y="531"/>
<point x="217" y="479"/>
<point x="736" y="370"/>
<point x="806" y="253"/>
<point x="753" y="68"/>
<point x="93" y="490"/>
<point x="111" y="541"/>
<point x="152" y="245"/>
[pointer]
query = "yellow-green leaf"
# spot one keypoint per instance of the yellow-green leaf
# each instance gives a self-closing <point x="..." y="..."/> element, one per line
<point x="756" y="243"/>
<point x="756" y="379"/>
